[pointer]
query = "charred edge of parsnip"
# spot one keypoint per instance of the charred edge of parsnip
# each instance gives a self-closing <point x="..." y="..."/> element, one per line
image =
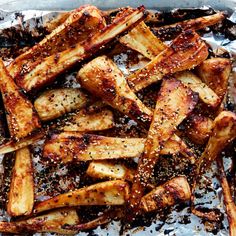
<point x="167" y="31"/>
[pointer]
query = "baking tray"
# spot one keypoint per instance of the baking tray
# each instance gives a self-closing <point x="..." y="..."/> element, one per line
<point x="180" y="222"/>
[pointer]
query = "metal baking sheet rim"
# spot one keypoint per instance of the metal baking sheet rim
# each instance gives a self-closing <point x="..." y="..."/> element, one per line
<point x="173" y="227"/>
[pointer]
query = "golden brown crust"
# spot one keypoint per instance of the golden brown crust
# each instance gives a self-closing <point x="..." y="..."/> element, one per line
<point x="21" y="118"/>
<point x="186" y="51"/>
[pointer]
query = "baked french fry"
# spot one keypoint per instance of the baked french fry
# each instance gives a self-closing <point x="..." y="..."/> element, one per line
<point x="104" y="170"/>
<point x="74" y="146"/>
<point x="114" y="192"/>
<point x="79" y="24"/>
<point x="174" y="103"/>
<point x="185" y="52"/>
<point x="52" y="222"/>
<point x="206" y="94"/>
<point x="50" y="67"/>
<point x="198" y="128"/>
<point x="228" y="200"/>
<point x="22" y="120"/>
<point x="215" y="73"/>
<point x="56" y="102"/>
<point x="21" y="195"/>
<point x="193" y="24"/>
<point x="168" y="194"/>
<point x="12" y="145"/>
<point x="84" y="121"/>
<point x="104" y="79"/>
<point x="141" y="39"/>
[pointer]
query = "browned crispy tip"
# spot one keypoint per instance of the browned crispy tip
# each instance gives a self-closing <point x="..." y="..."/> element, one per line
<point x="167" y="31"/>
<point x="174" y="103"/>
<point x="22" y="119"/>
<point x="104" y="79"/>
<point x="115" y="192"/>
<point x="168" y="194"/>
<point x="215" y="73"/>
<point x="50" y="67"/>
<point x="185" y="52"/>
<point x="228" y="200"/>
<point x="21" y="194"/>
<point x="79" y="24"/>
<point x="198" y="128"/>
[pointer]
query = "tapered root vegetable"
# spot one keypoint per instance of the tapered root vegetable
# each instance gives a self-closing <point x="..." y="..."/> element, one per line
<point x="206" y="94"/>
<point x="12" y="145"/>
<point x="193" y="24"/>
<point x="224" y="131"/>
<point x="50" y="67"/>
<point x="170" y="193"/>
<point x="85" y="121"/>
<point x="186" y="51"/>
<point x="114" y="192"/>
<point x="228" y="200"/>
<point x="79" y="24"/>
<point x="52" y="222"/>
<point x="174" y="103"/>
<point x="73" y="146"/>
<point x="22" y="120"/>
<point x="198" y="128"/>
<point x="56" y="102"/>
<point x="106" y="170"/>
<point x="103" y="78"/>
<point x="141" y="39"/>
<point x="21" y="195"/>
<point x="215" y="73"/>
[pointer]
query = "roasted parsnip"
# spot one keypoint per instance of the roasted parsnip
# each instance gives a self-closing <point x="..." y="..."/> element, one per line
<point x="56" y="102"/>
<point x="223" y="132"/>
<point x="206" y="94"/>
<point x="12" y="146"/>
<point x="185" y="52"/>
<point x="74" y="146"/>
<point x="85" y="121"/>
<point x="50" y="67"/>
<point x="141" y="39"/>
<point x="107" y="170"/>
<point x="21" y="195"/>
<point x="168" y="194"/>
<point x="215" y="73"/>
<point x="80" y="23"/>
<point x="103" y="78"/>
<point x="21" y="118"/>
<point x="52" y="222"/>
<point x="194" y="24"/>
<point x="114" y="192"/>
<point x="174" y="103"/>
<point x="198" y="128"/>
<point x="228" y="200"/>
